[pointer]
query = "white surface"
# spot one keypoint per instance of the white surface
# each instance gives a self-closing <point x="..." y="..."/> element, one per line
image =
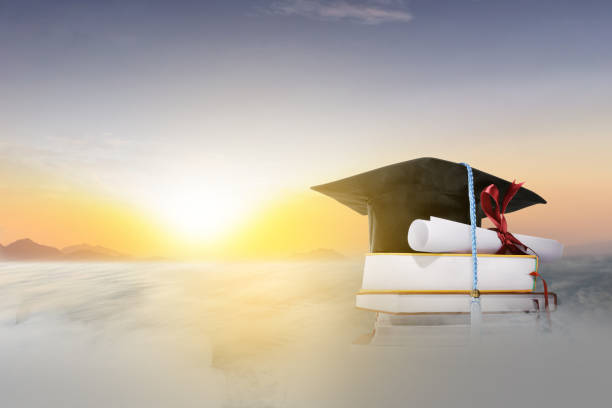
<point x="440" y="235"/>
<point x="448" y="272"/>
<point x="490" y="303"/>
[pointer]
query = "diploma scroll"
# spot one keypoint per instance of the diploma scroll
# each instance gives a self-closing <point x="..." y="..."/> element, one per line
<point x="439" y="235"/>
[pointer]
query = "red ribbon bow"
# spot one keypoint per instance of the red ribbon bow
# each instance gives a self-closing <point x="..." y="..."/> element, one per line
<point x="496" y="215"/>
<point x="509" y="243"/>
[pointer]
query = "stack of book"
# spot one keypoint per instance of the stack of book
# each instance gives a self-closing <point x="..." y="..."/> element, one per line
<point x="415" y="283"/>
<point x="420" y="258"/>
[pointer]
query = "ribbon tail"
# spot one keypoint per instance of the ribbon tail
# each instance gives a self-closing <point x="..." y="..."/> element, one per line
<point x="545" y="285"/>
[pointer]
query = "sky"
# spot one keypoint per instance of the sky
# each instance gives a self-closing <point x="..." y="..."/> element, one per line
<point x="195" y="128"/>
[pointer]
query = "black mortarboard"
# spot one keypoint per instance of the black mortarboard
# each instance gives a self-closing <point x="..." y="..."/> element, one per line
<point x="394" y="196"/>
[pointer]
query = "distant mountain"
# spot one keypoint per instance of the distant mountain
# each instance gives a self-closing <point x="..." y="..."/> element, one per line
<point x="595" y="248"/>
<point x="86" y="255"/>
<point x="321" y="253"/>
<point x="85" y="252"/>
<point x="26" y="249"/>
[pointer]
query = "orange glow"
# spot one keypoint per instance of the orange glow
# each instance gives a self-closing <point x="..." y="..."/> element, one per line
<point x="300" y="222"/>
<point x="51" y="212"/>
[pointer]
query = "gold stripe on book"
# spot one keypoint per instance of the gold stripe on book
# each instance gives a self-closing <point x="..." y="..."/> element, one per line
<point x="437" y="313"/>
<point x="448" y="254"/>
<point x="437" y="292"/>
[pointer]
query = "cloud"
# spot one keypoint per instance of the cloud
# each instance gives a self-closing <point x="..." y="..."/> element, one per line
<point x="360" y="11"/>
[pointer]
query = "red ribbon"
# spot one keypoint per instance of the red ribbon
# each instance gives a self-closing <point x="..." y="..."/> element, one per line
<point x="535" y="274"/>
<point x="509" y="243"/>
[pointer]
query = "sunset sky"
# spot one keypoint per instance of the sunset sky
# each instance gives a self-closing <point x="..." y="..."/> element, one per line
<point x="195" y="128"/>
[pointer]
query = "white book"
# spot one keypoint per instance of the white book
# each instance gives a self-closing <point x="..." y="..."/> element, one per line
<point x="447" y="331"/>
<point x="448" y="272"/>
<point x="452" y="303"/>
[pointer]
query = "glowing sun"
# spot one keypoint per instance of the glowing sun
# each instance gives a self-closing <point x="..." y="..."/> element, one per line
<point x="200" y="214"/>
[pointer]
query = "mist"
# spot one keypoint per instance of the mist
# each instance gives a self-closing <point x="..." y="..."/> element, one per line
<point x="283" y="334"/>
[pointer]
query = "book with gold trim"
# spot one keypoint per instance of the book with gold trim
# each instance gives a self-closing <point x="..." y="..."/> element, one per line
<point x="415" y="303"/>
<point x="448" y="272"/>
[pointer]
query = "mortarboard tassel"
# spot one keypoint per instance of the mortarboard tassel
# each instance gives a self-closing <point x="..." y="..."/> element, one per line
<point x="475" y="312"/>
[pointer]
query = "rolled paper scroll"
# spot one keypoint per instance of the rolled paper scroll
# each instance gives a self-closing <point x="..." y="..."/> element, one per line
<point x="439" y="235"/>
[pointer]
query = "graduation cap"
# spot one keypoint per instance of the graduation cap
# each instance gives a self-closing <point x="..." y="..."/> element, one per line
<point x="394" y="196"/>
